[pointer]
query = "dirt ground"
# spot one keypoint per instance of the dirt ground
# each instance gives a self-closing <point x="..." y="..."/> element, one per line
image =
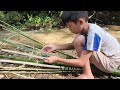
<point x="65" y="36"/>
<point x="61" y="36"/>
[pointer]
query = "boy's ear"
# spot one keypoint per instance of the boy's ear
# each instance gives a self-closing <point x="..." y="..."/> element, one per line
<point x="80" y="21"/>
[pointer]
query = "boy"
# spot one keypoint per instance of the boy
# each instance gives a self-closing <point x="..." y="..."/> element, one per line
<point x="92" y="44"/>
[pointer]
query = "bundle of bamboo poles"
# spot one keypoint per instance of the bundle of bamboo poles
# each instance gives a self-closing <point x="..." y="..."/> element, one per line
<point x="35" y="53"/>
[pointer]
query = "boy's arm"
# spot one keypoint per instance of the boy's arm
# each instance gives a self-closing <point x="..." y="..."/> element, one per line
<point x="80" y="62"/>
<point x="67" y="46"/>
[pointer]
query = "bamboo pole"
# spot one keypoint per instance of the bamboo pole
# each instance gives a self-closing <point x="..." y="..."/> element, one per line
<point x="33" y="72"/>
<point x="19" y="45"/>
<point x="33" y="61"/>
<point x="26" y="47"/>
<point x="21" y="53"/>
<point x="34" y="69"/>
<point x="14" y="29"/>
<point x="30" y="63"/>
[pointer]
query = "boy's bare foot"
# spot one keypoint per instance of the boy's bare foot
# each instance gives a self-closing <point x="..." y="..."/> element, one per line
<point x="83" y="76"/>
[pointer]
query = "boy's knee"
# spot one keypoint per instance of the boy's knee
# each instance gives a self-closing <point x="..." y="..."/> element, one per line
<point x="79" y="40"/>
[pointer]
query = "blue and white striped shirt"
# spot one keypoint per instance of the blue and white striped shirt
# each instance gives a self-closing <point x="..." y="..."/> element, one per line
<point x="99" y="40"/>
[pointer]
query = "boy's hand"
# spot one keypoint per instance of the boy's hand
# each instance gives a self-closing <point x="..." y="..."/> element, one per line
<point x="49" y="48"/>
<point x="51" y="59"/>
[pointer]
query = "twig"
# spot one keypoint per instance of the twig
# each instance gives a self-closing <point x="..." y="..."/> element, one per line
<point x="22" y="76"/>
<point x="92" y="15"/>
<point x="6" y="76"/>
<point x="22" y="66"/>
<point x="7" y="39"/>
<point x="32" y="53"/>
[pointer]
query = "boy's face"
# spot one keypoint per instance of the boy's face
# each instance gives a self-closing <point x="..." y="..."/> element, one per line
<point x="76" y="27"/>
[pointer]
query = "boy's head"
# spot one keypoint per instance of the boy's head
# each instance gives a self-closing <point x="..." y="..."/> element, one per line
<point x="75" y="20"/>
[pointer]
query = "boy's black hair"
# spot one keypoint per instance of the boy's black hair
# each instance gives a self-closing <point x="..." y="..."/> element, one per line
<point x="73" y="16"/>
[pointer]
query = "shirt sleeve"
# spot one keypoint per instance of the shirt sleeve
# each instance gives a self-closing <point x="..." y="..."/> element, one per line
<point x="92" y="42"/>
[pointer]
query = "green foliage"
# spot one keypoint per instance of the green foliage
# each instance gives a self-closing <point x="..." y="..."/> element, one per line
<point x="42" y="20"/>
<point x="31" y="19"/>
<point x="48" y="19"/>
<point x="2" y="15"/>
<point x="11" y="17"/>
<point x="38" y="19"/>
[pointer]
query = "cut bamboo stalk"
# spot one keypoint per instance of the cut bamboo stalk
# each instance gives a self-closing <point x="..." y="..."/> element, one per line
<point x="33" y="72"/>
<point x="29" y="63"/>
<point x="21" y="53"/>
<point x="26" y="69"/>
<point x="33" y="61"/>
<point x="17" y="68"/>
<point x="21" y="68"/>
<point x="32" y="69"/>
